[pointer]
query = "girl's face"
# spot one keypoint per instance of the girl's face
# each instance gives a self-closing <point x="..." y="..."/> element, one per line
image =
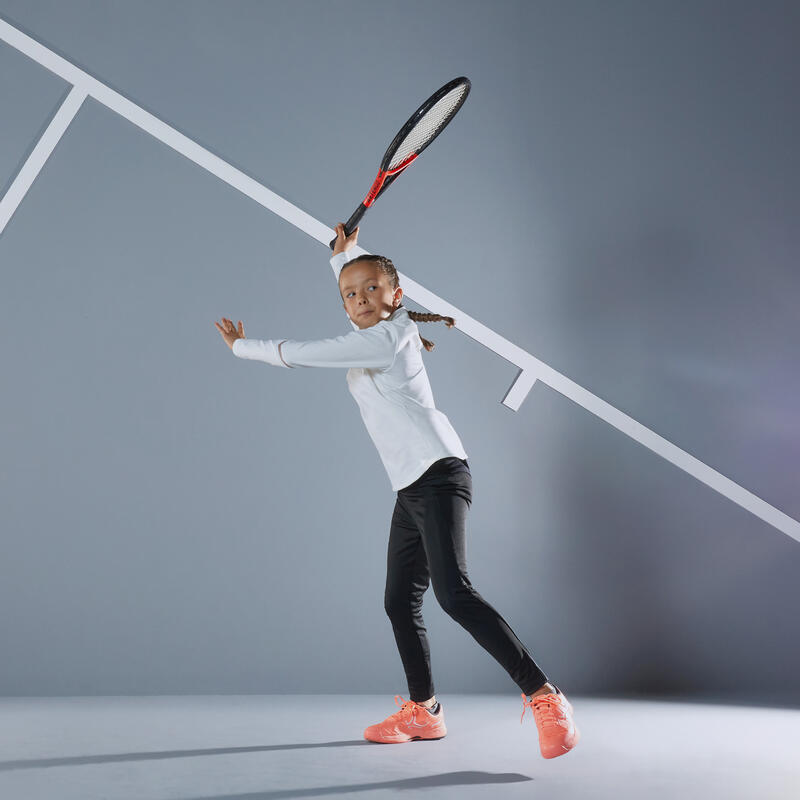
<point x="368" y="296"/>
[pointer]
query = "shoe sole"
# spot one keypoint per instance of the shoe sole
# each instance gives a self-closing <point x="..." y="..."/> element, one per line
<point x="407" y="739"/>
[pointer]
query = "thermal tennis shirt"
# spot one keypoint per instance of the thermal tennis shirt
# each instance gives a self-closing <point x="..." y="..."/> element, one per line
<point x="387" y="378"/>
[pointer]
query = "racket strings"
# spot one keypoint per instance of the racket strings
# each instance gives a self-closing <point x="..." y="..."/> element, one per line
<point x="429" y="125"/>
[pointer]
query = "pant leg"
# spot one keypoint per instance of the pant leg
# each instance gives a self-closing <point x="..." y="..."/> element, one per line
<point x="407" y="578"/>
<point x="438" y="503"/>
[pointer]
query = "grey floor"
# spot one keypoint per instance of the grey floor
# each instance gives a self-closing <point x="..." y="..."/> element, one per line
<point x="278" y="746"/>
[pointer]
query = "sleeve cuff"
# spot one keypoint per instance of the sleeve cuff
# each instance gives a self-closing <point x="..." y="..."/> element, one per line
<point x="340" y="259"/>
<point x="260" y="350"/>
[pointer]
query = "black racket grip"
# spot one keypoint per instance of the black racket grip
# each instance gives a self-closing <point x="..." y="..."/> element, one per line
<point x="352" y="223"/>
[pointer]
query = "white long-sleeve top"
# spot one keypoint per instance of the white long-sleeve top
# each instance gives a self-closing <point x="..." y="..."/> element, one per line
<point x="388" y="380"/>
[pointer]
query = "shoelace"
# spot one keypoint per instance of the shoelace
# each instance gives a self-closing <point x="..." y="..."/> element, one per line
<point x="407" y="707"/>
<point x="546" y="709"/>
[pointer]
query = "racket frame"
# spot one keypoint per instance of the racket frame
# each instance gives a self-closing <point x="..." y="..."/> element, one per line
<point x="385" y="176"/>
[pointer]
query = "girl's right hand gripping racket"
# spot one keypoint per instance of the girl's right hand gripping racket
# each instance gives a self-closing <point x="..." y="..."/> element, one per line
<point x="424" y="125"/>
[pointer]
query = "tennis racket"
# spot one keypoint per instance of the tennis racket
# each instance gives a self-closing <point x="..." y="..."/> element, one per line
<point x="424" y="125"/>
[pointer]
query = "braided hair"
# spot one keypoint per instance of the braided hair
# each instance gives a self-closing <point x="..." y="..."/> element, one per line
<point x="388" y="269"/>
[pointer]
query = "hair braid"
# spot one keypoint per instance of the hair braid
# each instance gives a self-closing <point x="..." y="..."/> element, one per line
<point x="420" y="317"/>
<point x="388" y="269"/>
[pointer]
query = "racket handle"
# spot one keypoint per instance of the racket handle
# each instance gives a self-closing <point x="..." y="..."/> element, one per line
<point x="351" y="224"/>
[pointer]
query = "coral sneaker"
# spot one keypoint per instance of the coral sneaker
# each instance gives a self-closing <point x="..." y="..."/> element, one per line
<point x="412" y="721"/>
<point x="558" y="733"/>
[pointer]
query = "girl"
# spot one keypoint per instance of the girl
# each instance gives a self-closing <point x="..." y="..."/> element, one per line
<point x="427" y="467"/>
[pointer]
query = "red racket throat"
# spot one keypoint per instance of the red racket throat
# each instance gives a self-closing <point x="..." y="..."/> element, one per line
<point x="381" y="179"/>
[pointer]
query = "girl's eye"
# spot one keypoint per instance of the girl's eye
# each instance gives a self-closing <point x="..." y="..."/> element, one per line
<point x="371" y="287"/>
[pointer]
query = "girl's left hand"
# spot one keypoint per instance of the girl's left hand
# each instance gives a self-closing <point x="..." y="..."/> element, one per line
<point x="229" y="332"/>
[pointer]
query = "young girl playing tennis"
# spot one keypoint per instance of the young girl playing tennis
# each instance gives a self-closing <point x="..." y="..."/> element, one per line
<point x="428" y="468"/>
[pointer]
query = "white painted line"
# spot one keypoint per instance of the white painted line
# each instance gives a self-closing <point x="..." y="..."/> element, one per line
<point x="531" y="368"/>
<point x="688" y="463"/>
<point x="35" y="161"/>
<point x="518" y="390"/>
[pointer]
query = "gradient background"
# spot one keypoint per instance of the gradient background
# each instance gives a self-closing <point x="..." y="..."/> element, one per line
<point x="618" y="196"/>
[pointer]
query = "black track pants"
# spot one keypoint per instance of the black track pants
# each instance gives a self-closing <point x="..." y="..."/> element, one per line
<point x="427" y="542"/>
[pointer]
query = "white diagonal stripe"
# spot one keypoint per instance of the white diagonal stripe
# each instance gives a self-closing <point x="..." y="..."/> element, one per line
<point x="35" y="161"/>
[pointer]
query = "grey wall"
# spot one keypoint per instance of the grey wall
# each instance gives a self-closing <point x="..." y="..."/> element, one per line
<point x="618" y="197"/>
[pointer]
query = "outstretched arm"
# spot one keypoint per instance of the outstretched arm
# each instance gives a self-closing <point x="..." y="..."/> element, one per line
<point x="371" y="348"/>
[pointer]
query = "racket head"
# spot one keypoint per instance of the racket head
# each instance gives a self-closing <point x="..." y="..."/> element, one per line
<point x="425" y="124"/>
